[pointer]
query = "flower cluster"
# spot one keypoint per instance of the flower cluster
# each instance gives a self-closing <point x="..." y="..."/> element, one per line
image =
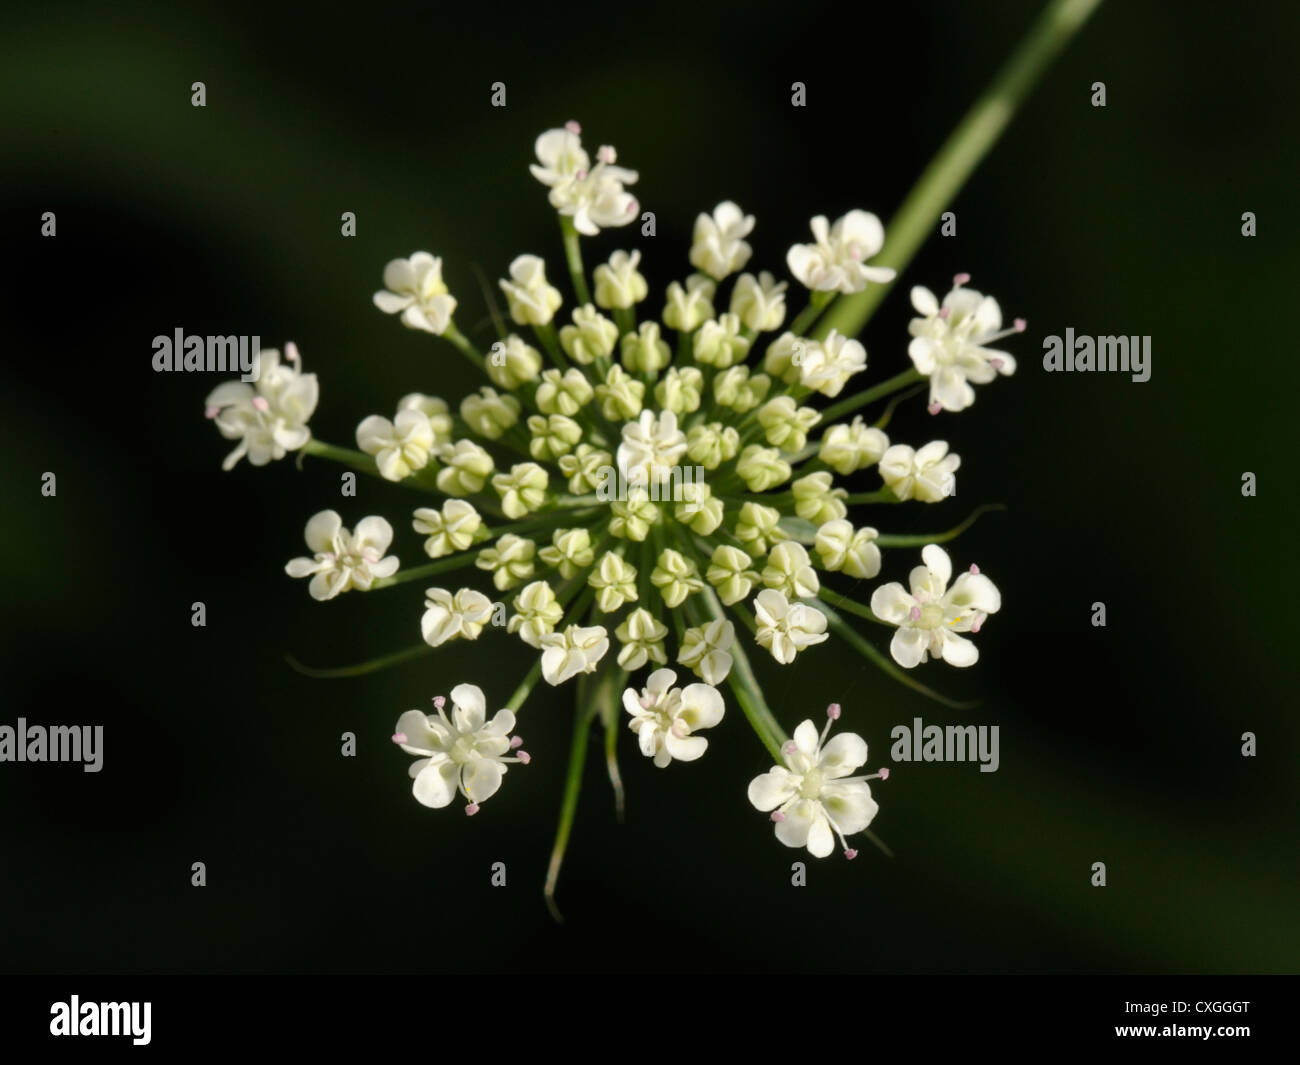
<point x="644" y="483"/>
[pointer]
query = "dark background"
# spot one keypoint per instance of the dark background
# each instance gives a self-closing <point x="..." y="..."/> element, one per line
<point x="1119" y="744"/>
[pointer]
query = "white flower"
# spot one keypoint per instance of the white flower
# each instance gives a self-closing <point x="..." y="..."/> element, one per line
<point x="928" y="475"/>
<point x="465" y="468"/>
<point x="578" y="649"/>
<point x="718" y="246"/>
<point x="790" y="572"/>
<point x="614" y="580"/>
<point x="930" y="618"/>
<point x="786" y="628"/>
<point x="435" y="409"/>
<point x="841" y="549"/>
<point x="452" y="617"/>
<point x="815" y="793"/>
<point x="837" y="262"/>
<point x="592" y="196"/>
<point x="451" y="529"/>
<point x="759" y="302"/>
<point x="509" y="560"/>
<point x="532" y="300"/>
<point x="849" y="448"/>
<point x="688" y="307"/>
<point x="522" y="490"/>
<point x="664" y="718"/>
<point x="400" y="447"/>
<point x="827" y="367"/>
<point x="618" y="284"/>
<point x="592" y="336"/>
<point x="465" y="753"/>
<point x="268" y="417"/>
<point x="651" y="447"/>
<point x="538" y="612"/>
<point x="730" y="574"/>
<point x="343" y="560"/>
<point x="950" y="343"/>
<point x="415" y="288"/>
<point x="707" y="650"/>
<point x="642" y="636"/>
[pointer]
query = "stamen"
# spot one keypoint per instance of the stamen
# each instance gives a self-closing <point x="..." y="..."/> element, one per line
<point x="647" y="701"/>
<point x="914" y="614"/>
<point x="884" y="772"/>
<point x="399" y="737"/>
<point x="516" y="742"/>
<point x="979" y="622"/>
<point x="581" y="175"/>
<point x="525" y="757"/>
<point x="606" y="154"/>
<point x="778" y="816"/>
<point x="632" y="207"/>
<point x="974" y="568"/>
<point x="960" y="279"/>
<point x="573" y="127"/>
<point x="211" y="412"/>
<point x="935" y="407"/>
<point x="833" y="711"/>
<point x="944" y="312"/>
<point x="1020" y="325"/>
<point x="471" y="809"/>
<point x="260" y="403"/>
<point x="850" y="854"/>
<point x="291" y="351"/>
<point x="790" y="747"/>
<point x="997" y="363"/>
<point x="439" y="701"/>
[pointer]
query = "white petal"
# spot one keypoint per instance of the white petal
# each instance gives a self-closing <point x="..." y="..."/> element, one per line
<point x="770" y="790"/>
<point x="436" y="784"/>
<point x="471" y="707"/>
<point x="908" y="647"/>
<point x="321" y="531"/>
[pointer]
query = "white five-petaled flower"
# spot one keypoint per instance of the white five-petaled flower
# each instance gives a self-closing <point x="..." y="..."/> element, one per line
<point x="814" y="796"/>
<point x="578" y="649"/>
<point x="718" y="245"/>
<point x="950" y="343"/>
<point x="344" y="560"/>
<point x="929" y="474"/>
<point x="652" y="445"/>
<point x="465" y="753"/>
<point x="593" y="197"/>
<point x="664" y="718"/>
<point x="268" y="417"/>
<point x="399" y="447"/>
<point x="414" y="287"/>
<point x="837" y="261"/>
<point x="531" y="298"/>
<point x="786" y="628"/>
<point x="931" y="616"/>
<point x="453" y="617"/>
<point x="707" y="650"/>
<point x="827" y="367"/>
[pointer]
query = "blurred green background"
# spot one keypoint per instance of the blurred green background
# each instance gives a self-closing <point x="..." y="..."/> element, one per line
<point x="1119" y="744"/>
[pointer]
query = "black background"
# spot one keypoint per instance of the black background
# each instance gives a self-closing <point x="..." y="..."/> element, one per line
<point x="1119" y="744"/>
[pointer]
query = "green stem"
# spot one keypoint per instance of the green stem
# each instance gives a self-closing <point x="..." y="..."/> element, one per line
<point x="361" y="668"/>
<point x="432" y="569"/>
<point x="526" y="686"/>
<point x="882" y="662"/>
<point x="921" y="539"/>
<point x="816" y="304"/>
<point x="456" y="337"/>
<point x="848" y="406"/>
<point x="573" y="255"/>
<point x="882" y="496"/>
<point x="358" y="460"/>
<point x="569" y="804"/>
<point x="960" y="154"/>
<point x="848" y="605"/>
<point x="746" y="688"/>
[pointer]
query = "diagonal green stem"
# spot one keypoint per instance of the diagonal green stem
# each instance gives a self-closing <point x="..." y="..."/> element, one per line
<point x="960" y="154"/>
<point x="573" y="256"/>
<point x="361" y="668"/>
<point x="921" y="539"/>
<point x="582" y="715"/>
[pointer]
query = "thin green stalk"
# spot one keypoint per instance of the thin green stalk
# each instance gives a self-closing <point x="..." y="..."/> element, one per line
<point x="582" y="715"/>
<point x="816" y="304"/>
<point x="848" y="605"/>
<point x="960" y="154"/>
<point x="432" y="569"/>
<point x="881" y="661"/>
<point x="526" y="686"/>
<point x="374" y="665"/>
<point x="573" y="256"/>
<point x="882" y="496"/>
<point x="921" y="539"/>
<point x="456" y="337"/>
<point x="358" y="460"/>
<point x="847" y="406"/>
